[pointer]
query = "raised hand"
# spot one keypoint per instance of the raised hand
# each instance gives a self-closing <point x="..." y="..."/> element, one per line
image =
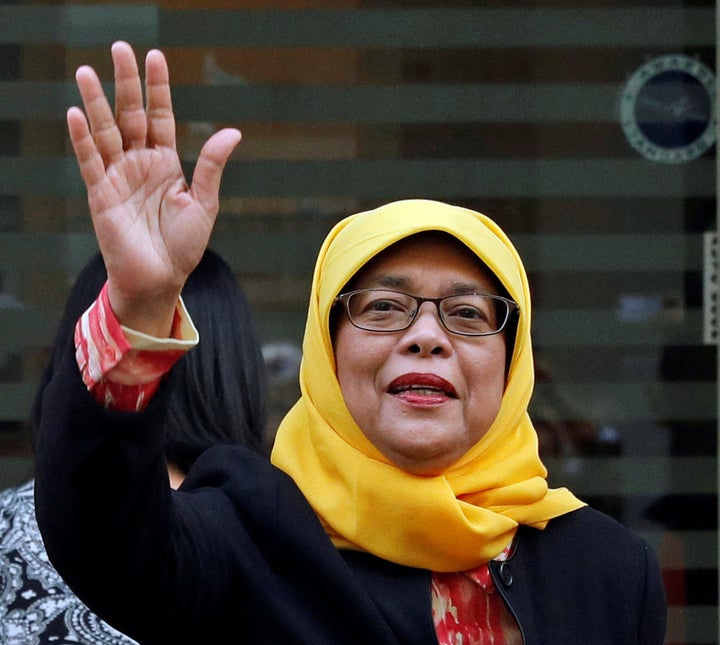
<point x="152" y="228"/>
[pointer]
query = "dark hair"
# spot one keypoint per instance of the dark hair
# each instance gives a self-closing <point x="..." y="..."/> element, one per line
<point x="220" y="394"/>
<point x="220" y="391"/>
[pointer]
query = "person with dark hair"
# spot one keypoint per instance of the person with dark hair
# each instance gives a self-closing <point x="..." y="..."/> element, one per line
<point x="218" y="398"/>
<point x="406" y="501"/>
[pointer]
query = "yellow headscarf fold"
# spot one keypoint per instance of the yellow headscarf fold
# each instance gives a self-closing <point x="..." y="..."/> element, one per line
<point x="449" y="522"/>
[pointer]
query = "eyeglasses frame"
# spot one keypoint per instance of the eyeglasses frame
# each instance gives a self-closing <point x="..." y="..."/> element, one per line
<point x="512" y="307"/>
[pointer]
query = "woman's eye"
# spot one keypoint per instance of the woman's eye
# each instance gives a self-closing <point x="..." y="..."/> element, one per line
<point x="385" y="305"/>
<point x="468" y="312"/>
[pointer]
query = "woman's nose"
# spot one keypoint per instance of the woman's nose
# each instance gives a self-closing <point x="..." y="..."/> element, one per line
<point x="427" y="335"/>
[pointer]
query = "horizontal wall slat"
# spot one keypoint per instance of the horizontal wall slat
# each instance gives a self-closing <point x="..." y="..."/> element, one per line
<point x="426" y="103"/>
<point x="601" y="328"/>
<point x="446" y="28"/>
<point x="401" y="104"/>
<point x="15" y="470"/>
<point x="442" y="28"/>
<point x="692" y="624"/>
<point x="246" y="253"/>
<point x="387" y="179"/>
<point x="700" y="548"/>
<point x="640" y="401"/>
<point x="249" y="252"/>
<point x="46" y="251"/>
<point x="610" y="252"/>
<point x="78" y="25"/>
<point x="399" y="178"/>
<point x="27" y="327"/>
<point x="16" y="400"/>
<point x="641" y="475"/>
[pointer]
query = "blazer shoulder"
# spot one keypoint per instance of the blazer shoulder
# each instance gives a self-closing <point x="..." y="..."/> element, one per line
<point x="588" y="534"/>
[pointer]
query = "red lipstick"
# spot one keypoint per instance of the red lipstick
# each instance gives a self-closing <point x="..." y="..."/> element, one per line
<point x="423" y="386"/>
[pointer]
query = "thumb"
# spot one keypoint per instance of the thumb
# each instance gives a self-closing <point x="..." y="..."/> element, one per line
<point x="210" y="165"/>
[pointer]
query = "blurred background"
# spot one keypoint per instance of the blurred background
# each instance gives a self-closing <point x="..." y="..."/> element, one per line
<point x="586" y="129"/>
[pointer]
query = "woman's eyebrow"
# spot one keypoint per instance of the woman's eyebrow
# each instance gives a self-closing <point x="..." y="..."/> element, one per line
<point x="461" y="288"/>
<point x="403" y="283"/>
<point x="390" y="281"/>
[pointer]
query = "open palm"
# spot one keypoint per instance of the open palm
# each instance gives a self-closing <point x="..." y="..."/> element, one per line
<point x="152" y="228"/>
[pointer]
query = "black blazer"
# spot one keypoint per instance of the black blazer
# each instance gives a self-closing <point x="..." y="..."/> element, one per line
<point x="238" y="555"/>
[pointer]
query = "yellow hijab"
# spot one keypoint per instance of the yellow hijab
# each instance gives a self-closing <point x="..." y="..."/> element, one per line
<point x="449" y="522"/>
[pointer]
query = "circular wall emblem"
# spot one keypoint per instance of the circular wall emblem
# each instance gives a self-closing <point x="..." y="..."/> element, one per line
<point x="667" y="109"/>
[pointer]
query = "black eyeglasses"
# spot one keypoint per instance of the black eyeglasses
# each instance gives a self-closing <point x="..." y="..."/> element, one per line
<point x="468" y="314"/>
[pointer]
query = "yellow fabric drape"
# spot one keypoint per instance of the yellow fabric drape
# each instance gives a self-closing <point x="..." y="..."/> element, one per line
<point x="449" y="522"/>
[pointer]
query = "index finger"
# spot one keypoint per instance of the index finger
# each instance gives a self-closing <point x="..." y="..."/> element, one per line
<point x="105" y="132"/>
<point x="89" y="159"/>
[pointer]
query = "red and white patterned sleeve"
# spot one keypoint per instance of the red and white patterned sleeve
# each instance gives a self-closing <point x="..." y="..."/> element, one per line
<point x="123" y="368"/>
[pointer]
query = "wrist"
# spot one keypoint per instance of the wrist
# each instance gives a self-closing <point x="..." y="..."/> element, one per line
<point x="150" y="313"/>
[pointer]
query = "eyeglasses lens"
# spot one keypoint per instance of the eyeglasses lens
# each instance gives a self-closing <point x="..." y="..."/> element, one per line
<point x="468" y="314"/>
